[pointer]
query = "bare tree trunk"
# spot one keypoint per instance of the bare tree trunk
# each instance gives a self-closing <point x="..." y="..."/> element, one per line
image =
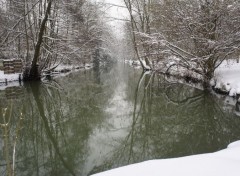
<point x="26" y="32"/>
<point x="145" y="65"/>
<point x="34" y="73"/>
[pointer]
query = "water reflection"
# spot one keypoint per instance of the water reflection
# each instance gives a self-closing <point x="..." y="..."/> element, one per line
<point x="238" y="107"/>
<point x="92" y="121"/>
<point x="171" y="120"/>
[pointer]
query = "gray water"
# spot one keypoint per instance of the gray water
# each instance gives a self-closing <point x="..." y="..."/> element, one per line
<point x="92" y="121"/>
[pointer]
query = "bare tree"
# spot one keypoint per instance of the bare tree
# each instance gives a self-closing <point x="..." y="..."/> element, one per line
<point x="139" y="11"/>
<point x="33" y="73"/>
<point x="201" y="34"/>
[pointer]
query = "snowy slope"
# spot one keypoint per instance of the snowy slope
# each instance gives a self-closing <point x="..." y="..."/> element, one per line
<point x="223" y="163"/>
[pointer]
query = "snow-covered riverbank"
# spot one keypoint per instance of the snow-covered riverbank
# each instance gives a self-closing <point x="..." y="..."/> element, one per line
<point x="221" y="163"/>
<point x="8" y="77"/>
<point x="9" y="80"/>
<point x="227" y="78"/>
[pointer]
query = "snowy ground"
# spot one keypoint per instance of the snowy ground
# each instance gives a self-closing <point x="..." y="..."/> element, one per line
<point x="222" y="163"/>
<point x="135" y="64"/>
<point x="61" y="68"/>
<point x="227" y="78"/>
<point x="8" y="77"/>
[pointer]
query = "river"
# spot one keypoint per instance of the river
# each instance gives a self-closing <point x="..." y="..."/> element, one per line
<point x="95" y="120"/>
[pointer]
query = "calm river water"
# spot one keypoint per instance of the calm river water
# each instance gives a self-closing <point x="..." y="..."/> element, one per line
<point x="96" y="120"/>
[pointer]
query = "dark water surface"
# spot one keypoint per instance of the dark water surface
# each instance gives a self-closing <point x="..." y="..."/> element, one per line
<point x="95" y="120"/>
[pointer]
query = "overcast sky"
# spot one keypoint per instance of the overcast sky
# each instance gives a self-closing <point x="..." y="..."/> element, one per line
<point x="118" y="13"/>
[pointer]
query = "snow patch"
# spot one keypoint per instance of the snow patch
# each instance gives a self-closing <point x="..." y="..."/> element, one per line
<point x="134" y="63"/>
<point x="222" y="163"/>
<point x="8" y="77"/>
<point x="234" y="144"/>
<point x="227" y="77"/>
<point x="10" y="84"/>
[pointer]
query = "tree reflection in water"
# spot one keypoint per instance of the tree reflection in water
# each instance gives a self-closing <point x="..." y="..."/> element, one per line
<point x="172" y="120"/>
<point x="61" y="121"/>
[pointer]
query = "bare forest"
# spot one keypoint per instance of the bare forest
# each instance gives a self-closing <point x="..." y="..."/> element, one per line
<point x="46" y="33"/>
<point x="168" y="36"/>
<point x="196" y="35"/>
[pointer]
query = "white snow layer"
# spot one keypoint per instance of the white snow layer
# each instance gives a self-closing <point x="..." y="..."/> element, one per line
<point x="8" y="77"/>
<point x="227" y="77"/>
<point x="221" y="163"/>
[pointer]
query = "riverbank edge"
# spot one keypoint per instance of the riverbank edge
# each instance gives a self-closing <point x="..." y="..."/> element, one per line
<point x="188" y="79"/>
<point x="16" y="79"/>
